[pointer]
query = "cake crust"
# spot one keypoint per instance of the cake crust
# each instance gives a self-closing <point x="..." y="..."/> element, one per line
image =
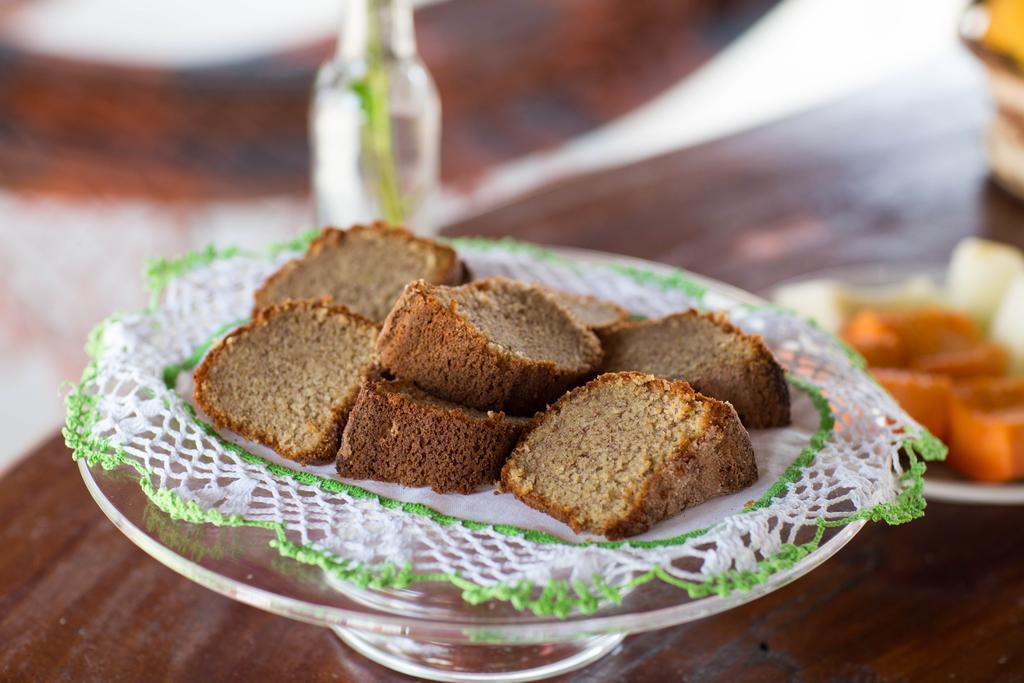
<point x="396" y="433"/>
<point x="710" y="353"/>
<point x="718" y="460"/>
<point x="445" y="267"/>
<point x="592" y="312"/>
<point x="209" y="395"/>
<point x="428" y="342"/>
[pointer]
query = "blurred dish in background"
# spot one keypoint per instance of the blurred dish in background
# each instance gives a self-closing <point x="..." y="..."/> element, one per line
<point x="948" y="343"/>
<point x="994" y="31"/>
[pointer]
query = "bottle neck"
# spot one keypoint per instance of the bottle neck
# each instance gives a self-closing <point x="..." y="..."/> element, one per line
<point x="372" y="30"/>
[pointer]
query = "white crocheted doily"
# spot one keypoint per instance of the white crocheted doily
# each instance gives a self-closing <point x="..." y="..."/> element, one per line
<point x="839" y="461"/>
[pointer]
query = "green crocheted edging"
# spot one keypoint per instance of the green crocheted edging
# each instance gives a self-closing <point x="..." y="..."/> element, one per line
<point x="678" y="279"/>
<point x="856" y="359"/>
<point x="171" y="372"/>
<point x="159" y="272"/>
<point x="806" y="457"/>
<point x="792" y="473"/>
<point x="559" y="597"/>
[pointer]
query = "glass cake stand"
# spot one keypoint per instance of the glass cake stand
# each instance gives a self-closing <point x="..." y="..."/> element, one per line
<point x="425" y="630"/>
<point x="447" y="641"/>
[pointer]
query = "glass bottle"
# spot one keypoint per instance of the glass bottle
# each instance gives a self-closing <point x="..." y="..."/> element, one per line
<point x="375" y="122"/>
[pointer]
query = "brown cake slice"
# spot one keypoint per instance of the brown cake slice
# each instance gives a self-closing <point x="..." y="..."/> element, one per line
<point x="363" y="268"/>
<point x="288" y="379"/>
<point x="595" y="314"/>
<point x="399" y="433"/>
<point x="716" y="358"/>
<point x="493" y="344"/>
<point x="617" y="456"/>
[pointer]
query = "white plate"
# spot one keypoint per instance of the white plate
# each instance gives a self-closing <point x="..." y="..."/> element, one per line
<point x="941" y="483"/>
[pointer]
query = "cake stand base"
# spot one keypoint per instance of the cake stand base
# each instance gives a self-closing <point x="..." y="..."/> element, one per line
<point x="437" y="661"/>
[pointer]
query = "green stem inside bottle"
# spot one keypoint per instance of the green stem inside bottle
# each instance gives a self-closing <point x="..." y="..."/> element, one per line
<point x="377" y="137"/>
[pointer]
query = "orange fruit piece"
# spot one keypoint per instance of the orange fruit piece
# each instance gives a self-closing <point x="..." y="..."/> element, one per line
<point x="931" y="340"/>
<point x="987" y="429"/>
<point x="980" y="360"/>
<point x="882" y="351"/>
<point x="897" y="337"/>
<point x="1005" y="31"/>
<point x="932" y="330"/>
<point x="874" y="339"/>
<point x="924" y="396"/>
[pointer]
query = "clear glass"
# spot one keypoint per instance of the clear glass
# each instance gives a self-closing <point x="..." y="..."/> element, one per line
<point x="375" y="123"/>
<point x="425" y="629"/>
<point x="460" y="642"/>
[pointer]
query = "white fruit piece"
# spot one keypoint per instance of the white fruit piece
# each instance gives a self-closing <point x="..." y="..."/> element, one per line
<point x="917" y="291"/>
<point x="979" y="273"/>
<point x="831" y="303"/>
<point x="1008" y="324"/>
<point x="823" y="301"/>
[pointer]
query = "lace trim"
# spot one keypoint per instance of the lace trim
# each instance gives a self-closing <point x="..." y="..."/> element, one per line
<point x="558" y="597"/>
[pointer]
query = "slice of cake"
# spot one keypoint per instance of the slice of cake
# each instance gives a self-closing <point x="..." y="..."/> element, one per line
<point x="493" y="344"/>
<point x="363" y="268"/>
<point x="617" y="456"/>
<point x="705" y="350"/>
<point x="288" y="379"/>
<point x="596" y="314"/>
<point x="399" y="433"/>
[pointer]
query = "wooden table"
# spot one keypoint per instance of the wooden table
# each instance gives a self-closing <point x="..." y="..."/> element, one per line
<point x="896" y="173"/>
<point x="514" y="78"/>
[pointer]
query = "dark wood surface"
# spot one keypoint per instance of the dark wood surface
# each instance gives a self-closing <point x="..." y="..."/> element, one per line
<point x="515" y="77"/>
<point x="941" y="598"/>
<point x="896" y="173"/>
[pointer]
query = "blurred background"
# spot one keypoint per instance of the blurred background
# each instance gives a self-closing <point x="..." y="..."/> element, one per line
<point x="144" y="128"/>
